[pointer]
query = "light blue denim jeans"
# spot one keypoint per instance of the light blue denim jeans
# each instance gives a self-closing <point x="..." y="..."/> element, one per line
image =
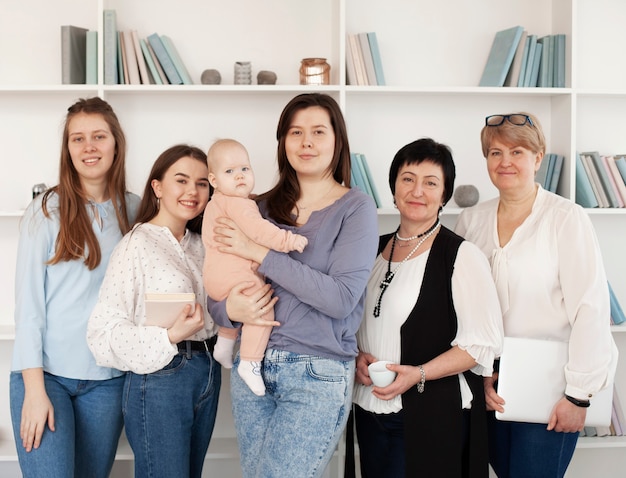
<point x="170" y="414"/>
<point x="294" y="429"/>
<point x="88" y="423"/>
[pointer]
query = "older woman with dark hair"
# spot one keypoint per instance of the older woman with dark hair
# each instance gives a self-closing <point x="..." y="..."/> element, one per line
<point x="432" y="309"/>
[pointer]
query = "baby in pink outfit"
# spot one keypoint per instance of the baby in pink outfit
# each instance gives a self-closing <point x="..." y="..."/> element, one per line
<point x="230" y="173"/>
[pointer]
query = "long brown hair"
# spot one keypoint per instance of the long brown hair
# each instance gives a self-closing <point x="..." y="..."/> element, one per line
<point x="76" y="235"/>
<point x="282" y="198"/>
<point x="149" y="206"/>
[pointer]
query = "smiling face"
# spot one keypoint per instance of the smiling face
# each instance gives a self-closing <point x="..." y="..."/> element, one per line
<point x="512" y="168"/>
<point x="230" y="171"/>
<point x="183" y="192"/>
<point x="419" y="192"/>
<point x="91" y="146"/>
<point x="310" y="142"/>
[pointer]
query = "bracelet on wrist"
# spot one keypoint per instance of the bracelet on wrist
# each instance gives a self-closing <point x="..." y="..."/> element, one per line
<point x="420" y="385"/>
<point x="578" y="403"/>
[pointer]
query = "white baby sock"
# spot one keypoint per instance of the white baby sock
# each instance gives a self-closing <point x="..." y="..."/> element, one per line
<point x="250" y="372"/>
<point x="223" y="351"/>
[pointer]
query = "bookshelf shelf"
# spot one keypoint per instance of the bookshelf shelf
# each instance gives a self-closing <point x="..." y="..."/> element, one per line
<point x="431" y="76"/>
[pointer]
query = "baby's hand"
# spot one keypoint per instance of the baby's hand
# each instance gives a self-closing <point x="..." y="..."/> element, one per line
<point x="300" y="242"/>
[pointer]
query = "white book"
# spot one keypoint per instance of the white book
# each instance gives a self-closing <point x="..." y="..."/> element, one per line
<point x="163" y="309"/>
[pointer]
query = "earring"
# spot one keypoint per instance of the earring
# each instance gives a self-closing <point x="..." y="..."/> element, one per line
<point x="440" y="210"/>
<point x="158" y="203"/>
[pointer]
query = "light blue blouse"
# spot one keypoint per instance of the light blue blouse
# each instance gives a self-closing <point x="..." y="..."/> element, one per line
<point x="53" y="302"/>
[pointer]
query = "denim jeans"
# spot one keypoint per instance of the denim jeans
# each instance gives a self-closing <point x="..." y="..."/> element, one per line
<point x="88" y="423"/>
<point x="169" y="415"/>
<point x="294" y="429"/>
<point x="521" y="450"/>
<point x="381" y="443"/>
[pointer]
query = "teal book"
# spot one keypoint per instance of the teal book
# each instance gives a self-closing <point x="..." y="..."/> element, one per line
<point x="370" y="178"/>
<point x="559" y="61"/>
<point x="150" y="62"/>
<point x="358" y="161"/>
<point x="584" y="191"/>
<point x="512" y="78"/>
<point x="164" y="59"/>
<point x="617" y="313"/>
<point x="605" y="182"/>
<point x="177" y="60"/>
<point x="548" y="179"/>
<point x="378" y="65"/>
<point x="110" y="47"/>
<point x="620" y="162"/>
<point x="534" y="74"/>
<point x="542" y="172"/>
<point x="120" y="61"/>
<point x="358" y="180"/>
<point x="91" y="59"/>
<point x="530" y="61"/>
<point x="546" y="65"/>
<point x="556" y="173"/>
<point x="522" y="73"/>
<point x="501" y="56"/>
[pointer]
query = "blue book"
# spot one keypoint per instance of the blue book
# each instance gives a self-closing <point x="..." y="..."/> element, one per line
<point x="150" y="62"/>
<point x="534" y="74"/>
<point x="177" y="60"/>
<point x="110" y="47"/>
<point x="543" y="80"/>
<point x="556" y="173"/>
<point x="617" y="314"/>
<point x="530" y="61"/>
<point x="584" y="192"/>
<point x="620" y="162"/>
<point x="370" y="178"/>
<point x="522" y="73"/>
<point x="501" y="56"/>
<point x="542" y="173"/>
<point x="358" y="161"/>
<point x="357" y="180"/>
<point x="559" y="61"/>
<point x="378" y="65"/>
<point x="605" y="182"/>
<point x="164" y="59"/>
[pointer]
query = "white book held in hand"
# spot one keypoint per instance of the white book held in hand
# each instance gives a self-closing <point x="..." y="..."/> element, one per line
<point x="163" y="309"/>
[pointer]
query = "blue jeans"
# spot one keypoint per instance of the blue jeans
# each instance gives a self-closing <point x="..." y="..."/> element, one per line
<point x="294" y="429"/>
<point x="381" y="443"/>
<point x="170" y="414"/>
<point x="88" y="423"/>
<point x="520" y="450"/>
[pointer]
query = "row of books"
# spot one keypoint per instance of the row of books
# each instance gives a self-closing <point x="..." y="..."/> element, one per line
<point x="520" y="59"/>
<point x="361" y="177"/>
<point x="617" y="314"/>
<point x="549" y="172"/>
<point x="129" y="59"/>
<point x="600" y="180"/>
<point x="618" y="423"/>
<point x="363" y="62"/>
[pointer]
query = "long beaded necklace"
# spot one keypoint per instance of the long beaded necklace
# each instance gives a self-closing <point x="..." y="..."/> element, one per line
<point x="389" y="275"/>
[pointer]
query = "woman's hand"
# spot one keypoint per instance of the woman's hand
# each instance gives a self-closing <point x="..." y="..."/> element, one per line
<point x="234" y="241"/>
<point x="362" y="373"/>
<point x="37" y="409"/>
<point x="251" y="308"/>
<point x="493" y="401"/>
<point x="187" y="323"/>
<point x="408" y="376"/>
<point x="567" y="417"/>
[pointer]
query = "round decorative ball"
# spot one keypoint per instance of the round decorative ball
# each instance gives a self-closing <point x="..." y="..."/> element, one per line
<point x="266" y="77"/>
<point x="211" y="77"/>
<point x="466" y="195"/>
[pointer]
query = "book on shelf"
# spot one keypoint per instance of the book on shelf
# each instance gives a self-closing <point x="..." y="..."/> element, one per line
<point x="155" y="60"/>
<point x="620" y="162"/>
<point x="363" y="178"/>
<point x="91" y="57"/>
<point x="501" y="56"/>
<point x="605" y="182"/>
<point x="152" y="68"/>
<point x="584" y="192"/>
<point x="556" y="173"/>
<point x="512" y="78"/>
<point x="132" y="67"/>
<point x="617" y="313"/>
<point x="163" y="309"/>
<point x="110" y="47"/>
<point x="598" y="190"/>
<point x="534" y="71"/>
<point x="164" y="59"/>
<point x="176" y="60"/>
<point x="376" y="58"/>
<point x="617" y="179"/>
<point x="542" y="173"/>
<point x="530" y="60"/>
<point x="548" y="179"/>
<point x="524" y="61"/>
<point x="367" y="58"/>
<point x="141" y="61"/>
<point x="620" y="422"/>
<point x="545" y="65"/>
<point x="350" y="67"/>
<point x="559" y="61"/>
<point x="124" y="55"/>
<point x="120" y="60"/>
<point x="357" y="55"/>
<point x="73" y="55"/>
<point x="357" y="180"/>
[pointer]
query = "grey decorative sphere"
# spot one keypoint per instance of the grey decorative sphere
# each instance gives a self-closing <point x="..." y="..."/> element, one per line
<point x="211" y="77"/>
<point x="266" y="77"/>
<point x="466" y="195"/>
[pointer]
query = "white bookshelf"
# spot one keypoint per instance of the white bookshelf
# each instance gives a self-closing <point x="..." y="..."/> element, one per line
<point x="432" y="58"/>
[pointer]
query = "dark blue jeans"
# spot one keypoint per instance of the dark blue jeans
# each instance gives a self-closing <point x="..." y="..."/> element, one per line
<point x="381" y="443"/>
<point x="522" y="450"/>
